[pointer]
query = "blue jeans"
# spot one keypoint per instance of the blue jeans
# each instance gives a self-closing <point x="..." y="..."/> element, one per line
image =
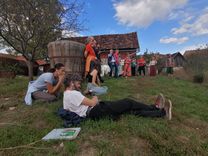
<point x="112" y="66"/>
<point x="97" y="90"/>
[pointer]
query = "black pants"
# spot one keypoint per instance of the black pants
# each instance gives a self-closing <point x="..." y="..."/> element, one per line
<point x="115" y="108"/>
<point x="133" y="71"/>
<point x="141" y="68"/>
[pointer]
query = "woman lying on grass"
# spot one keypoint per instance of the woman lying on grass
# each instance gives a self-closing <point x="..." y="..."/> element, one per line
<point x="76" y="102"/>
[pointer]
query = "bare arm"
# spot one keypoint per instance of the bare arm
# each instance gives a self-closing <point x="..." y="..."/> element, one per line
<point x="53" y="89"/>
<point x="90" y="102"/>
<point x="85" y="53"/>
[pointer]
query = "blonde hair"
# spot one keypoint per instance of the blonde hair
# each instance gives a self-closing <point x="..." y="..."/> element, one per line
<point x="89" y="39"/>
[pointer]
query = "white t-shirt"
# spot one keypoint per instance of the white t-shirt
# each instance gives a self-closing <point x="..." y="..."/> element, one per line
<point x="153" y="62"/>
<point x="73" y="102"/>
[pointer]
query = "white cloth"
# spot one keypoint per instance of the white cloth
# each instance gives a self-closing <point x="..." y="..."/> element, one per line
<point x="39" y="85"/>
<point x="153" y="62"/>
<point x="105" y="69"/>
<point x="73" y="102"/>
<point x="28" y="96"/>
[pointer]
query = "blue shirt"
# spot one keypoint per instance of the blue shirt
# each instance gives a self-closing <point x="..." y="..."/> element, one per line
<point x="40" y="84"/>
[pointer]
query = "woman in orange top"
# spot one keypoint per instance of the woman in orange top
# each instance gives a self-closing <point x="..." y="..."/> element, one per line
<point x="89" y="54"/>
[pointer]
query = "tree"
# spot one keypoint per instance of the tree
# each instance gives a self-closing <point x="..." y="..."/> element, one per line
<point x="29" y="25"/>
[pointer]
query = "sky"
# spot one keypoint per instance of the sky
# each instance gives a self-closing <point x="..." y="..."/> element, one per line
<point x="164" y="26"/>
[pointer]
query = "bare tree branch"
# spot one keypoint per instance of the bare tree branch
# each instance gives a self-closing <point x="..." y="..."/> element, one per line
<point x="28" y="26"/>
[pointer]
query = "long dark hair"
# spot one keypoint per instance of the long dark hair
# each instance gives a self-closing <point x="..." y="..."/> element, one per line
<point x="57" y="66"/>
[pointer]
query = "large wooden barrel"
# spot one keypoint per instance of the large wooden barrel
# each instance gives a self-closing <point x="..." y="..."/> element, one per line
<point x="70" y="53"/>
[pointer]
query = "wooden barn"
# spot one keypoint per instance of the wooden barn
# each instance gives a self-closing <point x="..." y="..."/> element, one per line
<point x="179" y="59"/>
<point x="125" y="43"/>
<point x="39" y="66"/>
<point x="7" y="59"/>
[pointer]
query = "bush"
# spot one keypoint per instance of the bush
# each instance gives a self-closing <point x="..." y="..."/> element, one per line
<point x="196" y="66"/>
<point x="198" y="78"/>
<point x="10" y="67"/>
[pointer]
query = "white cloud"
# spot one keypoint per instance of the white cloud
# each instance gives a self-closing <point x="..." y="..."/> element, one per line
<point x="183" y="29"/>
<point x="188" y="18"/>
<point x="193" y="47"/>
<point x="174" y="40"/>
<point x="142" y="13"/>
<point x="3" y="51"/>
<point x="66" y="33"/>
<point x="196" y="28"/>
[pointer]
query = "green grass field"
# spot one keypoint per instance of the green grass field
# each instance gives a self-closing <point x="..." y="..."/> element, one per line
<point x="185" y="134"/>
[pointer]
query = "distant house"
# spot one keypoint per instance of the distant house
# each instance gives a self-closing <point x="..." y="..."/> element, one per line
<point x="7" y="59"/>
<point x="39" y="66"/>
<point x="21" y="62"/>
<point x="179" y="59"/>
<point x="125" y="43"/>
<point x="43" y="65"/>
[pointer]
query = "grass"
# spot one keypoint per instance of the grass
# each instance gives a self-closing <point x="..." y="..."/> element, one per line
<point x="186" y="134"/>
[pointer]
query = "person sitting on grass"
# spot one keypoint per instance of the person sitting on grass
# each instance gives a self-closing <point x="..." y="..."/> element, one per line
<point x="93" y="85"/>
<point x="92" y="108"/>
<point x="46" y="86"/>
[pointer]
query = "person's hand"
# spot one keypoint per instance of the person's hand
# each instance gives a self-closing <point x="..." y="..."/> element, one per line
<point x="61" y="77"/>
<point x="95" y="98"/>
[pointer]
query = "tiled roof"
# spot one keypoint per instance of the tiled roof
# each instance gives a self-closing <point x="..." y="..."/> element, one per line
<point x="112" y="41"/>
<point x="41" y="62"/>
<point x="177" y="54"/>
<point x="21" y="58"/>
<point x="7" y="56"/>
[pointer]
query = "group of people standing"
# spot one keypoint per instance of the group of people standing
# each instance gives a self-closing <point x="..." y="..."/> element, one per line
<point x="129" y="66"/>
<point x="132" y="66"/>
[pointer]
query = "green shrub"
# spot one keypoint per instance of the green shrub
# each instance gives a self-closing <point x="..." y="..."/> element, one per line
<point x="10" y="67"/>
<point x="196" y="66"/>
<point x="198" y="78"/>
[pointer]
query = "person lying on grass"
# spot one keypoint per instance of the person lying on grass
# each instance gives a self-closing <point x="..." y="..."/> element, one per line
<point x="76" y="102"/>
<point x="46" y="86"/>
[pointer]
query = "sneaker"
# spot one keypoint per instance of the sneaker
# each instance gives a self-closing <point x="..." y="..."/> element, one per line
<point x="168" y="109"/>
<point x="160" y="101"/>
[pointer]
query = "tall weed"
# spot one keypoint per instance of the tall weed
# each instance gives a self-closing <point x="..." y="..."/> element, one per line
<point x="197" y="66"/>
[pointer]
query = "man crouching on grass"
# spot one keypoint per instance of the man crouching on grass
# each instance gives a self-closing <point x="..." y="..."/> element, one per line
<point x="76" y="102"/>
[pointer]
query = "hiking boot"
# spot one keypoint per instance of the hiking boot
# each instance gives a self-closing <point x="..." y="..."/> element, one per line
<point x="160" y="101"/>
<point x="168" y="109"/>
